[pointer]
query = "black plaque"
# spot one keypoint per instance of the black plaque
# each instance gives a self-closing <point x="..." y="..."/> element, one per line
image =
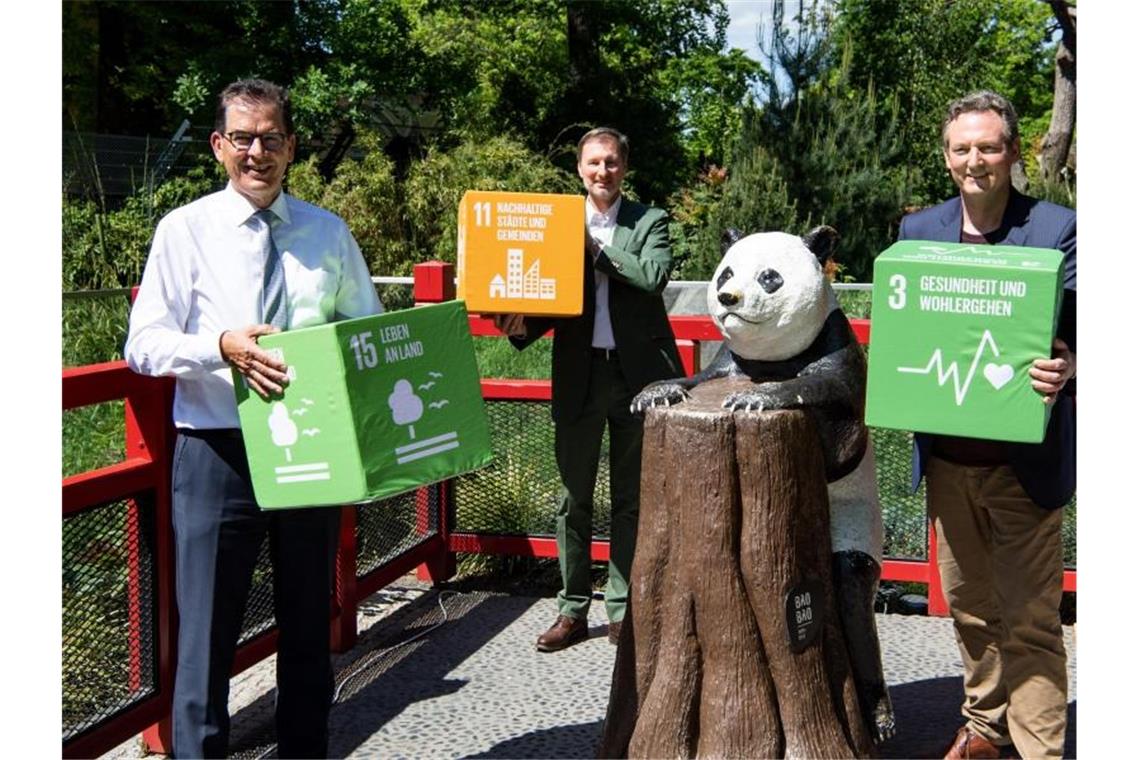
<point x="803" y="611"/>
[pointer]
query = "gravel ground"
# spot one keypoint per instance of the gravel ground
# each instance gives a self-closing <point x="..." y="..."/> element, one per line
<point x="454" y="674"/>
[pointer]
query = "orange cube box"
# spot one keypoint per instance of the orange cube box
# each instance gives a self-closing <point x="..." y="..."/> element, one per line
<point x="521" y="253"/>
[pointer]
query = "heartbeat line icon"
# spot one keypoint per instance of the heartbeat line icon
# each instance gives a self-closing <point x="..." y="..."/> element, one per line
<point x="944" y="374"/>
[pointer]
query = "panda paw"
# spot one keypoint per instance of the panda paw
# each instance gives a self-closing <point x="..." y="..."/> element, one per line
<point x="658" y="394"/>
<point x="763" y="397"/>
<point x="884" y="720"/>
<point x="749" y="401"/>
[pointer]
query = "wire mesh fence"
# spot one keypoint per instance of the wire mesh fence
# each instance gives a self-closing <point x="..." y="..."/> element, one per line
<point x="384" y="530"/>
<point x="115" y="166"/>
<point x="258" y="617"/>
<point x="904" y="512"/>
<point x="109" y="625"/>
<point x="519" y="492"/>
<point x="387" y="528"/>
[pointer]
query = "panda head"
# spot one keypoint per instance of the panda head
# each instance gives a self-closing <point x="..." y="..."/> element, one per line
<point x="769" y="296"/>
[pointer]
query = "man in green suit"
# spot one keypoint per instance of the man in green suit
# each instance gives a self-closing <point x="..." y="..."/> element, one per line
<point x="601" y="359"/>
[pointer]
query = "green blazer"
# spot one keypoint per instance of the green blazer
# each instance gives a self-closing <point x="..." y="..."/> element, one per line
<point x="637" y="263"/>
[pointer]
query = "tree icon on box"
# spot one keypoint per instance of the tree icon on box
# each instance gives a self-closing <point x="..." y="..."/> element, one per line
<point x="406" y="406"/>
<point x="282" y="428"/>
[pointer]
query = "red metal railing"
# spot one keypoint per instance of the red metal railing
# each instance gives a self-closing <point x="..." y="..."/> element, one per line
<point x="144" y="477"/>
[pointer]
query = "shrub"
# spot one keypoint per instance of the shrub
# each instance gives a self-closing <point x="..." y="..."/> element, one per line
<point x="436" y="185"/>
<point x="364" y="192"/>
<point x="107" y="248"/>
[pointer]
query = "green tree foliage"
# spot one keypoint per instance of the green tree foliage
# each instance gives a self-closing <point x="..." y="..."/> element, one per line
<point x="399" y="224"/>
<point x="448" y="70"/>
<point x="366" y="60"/>
<point x="925" y="53"/>
<point x="840" y="167"/>
<point x="436" y="185"/>
<point x="712" y="89"/>
<point x="439" y="96"/>
<point x="545" y="71"/>
<point x="493" y="68"/>
<point x="849" y="130"/>
<point x="753" y="198"/>
<point x="817" y="152"/>
<point x="655" y="69"/>
<point x="364" y="193"/>
<point x="107" y="248"/>
<point x="124" y="59"/>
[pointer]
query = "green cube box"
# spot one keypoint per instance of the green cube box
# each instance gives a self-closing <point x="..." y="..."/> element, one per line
<point x="955" y="328"/>
<point x="375" y="406"/>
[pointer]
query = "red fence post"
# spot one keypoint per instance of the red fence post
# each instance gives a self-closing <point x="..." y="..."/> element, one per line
<point x="342" y="637"/>
<point x="433" y="282"/>
<point x="150" y="430"/>
<point x="441" y="566"/>
<point x="935" y="600"/>
<point x="134" y="597"/>
<point x="690" y="351"/>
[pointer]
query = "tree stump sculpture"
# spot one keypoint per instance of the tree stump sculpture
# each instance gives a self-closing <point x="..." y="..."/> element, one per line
<point x="731" y="646"/>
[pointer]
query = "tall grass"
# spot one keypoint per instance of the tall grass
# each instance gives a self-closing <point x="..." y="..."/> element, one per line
<point x="94" y="331"/>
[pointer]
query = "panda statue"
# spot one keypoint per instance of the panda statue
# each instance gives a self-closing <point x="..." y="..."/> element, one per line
<point x="783" y="329"/>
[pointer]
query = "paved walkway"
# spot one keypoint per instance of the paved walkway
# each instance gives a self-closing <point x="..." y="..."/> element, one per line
<point x="455" y="675"/>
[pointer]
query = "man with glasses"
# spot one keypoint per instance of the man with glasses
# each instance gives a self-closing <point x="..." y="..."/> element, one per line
<point x="243" y="262"/>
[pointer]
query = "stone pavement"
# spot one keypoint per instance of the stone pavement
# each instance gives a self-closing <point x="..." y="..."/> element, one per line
<point x="448" y="674"/>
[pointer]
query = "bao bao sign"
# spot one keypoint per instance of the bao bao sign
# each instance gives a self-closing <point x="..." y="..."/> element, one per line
<point x="521" y="253"/>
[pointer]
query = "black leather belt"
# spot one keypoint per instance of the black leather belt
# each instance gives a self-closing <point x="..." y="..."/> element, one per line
<point x="604" y="353"/>
<point x="215" y="433"/>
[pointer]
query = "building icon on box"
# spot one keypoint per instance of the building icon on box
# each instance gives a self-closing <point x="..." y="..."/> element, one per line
<point x="531" y="285"/>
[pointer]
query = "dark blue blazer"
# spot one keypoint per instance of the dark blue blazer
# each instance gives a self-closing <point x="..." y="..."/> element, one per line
<point x="1047" y="470"/>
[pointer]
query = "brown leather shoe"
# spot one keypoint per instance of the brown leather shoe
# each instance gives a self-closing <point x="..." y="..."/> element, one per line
<point x="613" y="631"/>
<point x="967" y="744"/>
<point x="565" y="631"/>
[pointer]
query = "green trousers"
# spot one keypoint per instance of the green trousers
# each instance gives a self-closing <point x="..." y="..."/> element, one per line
<point x="577" y="445"/>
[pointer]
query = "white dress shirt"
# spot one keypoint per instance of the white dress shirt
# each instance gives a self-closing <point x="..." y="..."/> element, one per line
<point x="204" y="276"/>
<point x="601" y="225"/>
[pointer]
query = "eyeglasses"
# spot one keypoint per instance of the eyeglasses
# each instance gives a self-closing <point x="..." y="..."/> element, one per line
<point x="270" y="141"/>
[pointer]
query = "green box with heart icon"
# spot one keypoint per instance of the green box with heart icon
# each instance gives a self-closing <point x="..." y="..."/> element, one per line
<point x="954" y="330"/>
<point x="375" y="406"/>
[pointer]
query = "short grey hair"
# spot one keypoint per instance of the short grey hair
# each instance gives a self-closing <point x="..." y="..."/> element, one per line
<point x="607" y="133"/>
<point x="983" y="100"/>
<point x="255" y="91"/>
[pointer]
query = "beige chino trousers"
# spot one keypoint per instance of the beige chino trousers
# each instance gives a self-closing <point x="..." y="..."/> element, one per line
<point x="1001" y="561"/>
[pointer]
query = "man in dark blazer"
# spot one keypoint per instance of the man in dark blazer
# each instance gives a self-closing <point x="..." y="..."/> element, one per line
<point x="601" y="359"/>
<point x="996" y="506"/>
